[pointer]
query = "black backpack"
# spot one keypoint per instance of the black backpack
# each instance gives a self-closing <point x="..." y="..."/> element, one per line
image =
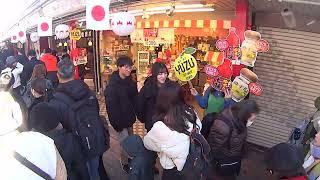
<point x="88" y="124"/>
<point x="197" y="166"/>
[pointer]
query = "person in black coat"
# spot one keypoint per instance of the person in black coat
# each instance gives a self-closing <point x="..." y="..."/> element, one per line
<point x="40" y="93"/>
<point x="120" y="95"/>
<point x="45" y="120"/>
<point x="29" y="66"/>
<point x="148" y="94"/>
<point x="141" y="164"/>
<point x="21" y="57"/>
<point x="75" y="90"/>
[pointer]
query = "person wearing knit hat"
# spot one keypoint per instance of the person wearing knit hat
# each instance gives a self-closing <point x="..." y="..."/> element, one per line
<point x="284" y="161"/>
<point x="44" y="119"/>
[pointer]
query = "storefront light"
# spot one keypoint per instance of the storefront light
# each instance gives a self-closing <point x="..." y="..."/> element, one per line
<point x="65" y="44"/>
<point x="90" y="43"/>
<point x="60" y="44"/>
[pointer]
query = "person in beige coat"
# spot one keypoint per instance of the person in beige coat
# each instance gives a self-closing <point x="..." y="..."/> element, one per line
<point x="35" y="147"/>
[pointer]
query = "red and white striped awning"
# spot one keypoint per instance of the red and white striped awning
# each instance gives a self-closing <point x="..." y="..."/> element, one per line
<point x="214" y="24"/>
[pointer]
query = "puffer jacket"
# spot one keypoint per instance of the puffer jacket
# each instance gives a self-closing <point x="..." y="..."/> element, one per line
<point x="172" y="147"/>
<point x="226" y="141"/>
<point x="120" y="95"/>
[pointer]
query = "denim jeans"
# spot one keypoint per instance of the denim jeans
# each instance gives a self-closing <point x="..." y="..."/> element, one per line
<point x="93" y="166"/>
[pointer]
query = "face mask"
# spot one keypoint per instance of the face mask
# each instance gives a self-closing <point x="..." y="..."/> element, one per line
<point x="249" y="123"/>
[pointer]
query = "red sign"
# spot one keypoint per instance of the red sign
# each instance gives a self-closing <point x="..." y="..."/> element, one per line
<point x="211" y="71"/>
<point x="263" y="46"/>
<point x="153" y="32"/>
<point x="255" y="89"/>
<point x="222" y="44"/>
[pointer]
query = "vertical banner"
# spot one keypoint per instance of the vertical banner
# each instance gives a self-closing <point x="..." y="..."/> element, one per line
<point x="97" y="14"/>
<point x="45" y="26"/>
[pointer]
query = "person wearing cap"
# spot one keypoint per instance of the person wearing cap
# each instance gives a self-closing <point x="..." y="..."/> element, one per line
<point x="120" y="95"/>
<point x="46" y="121"/>
<point x="38" y="149"/>
<point x="284" y="162"/>
<point x="16" y="69"/>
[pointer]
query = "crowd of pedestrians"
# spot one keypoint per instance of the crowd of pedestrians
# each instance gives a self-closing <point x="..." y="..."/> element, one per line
<point x="50" y="127"/>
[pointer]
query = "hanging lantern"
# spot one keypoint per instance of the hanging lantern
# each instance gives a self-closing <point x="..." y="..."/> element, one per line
<point x="34" y="37"/>
<point x="65" y="44"/>
<point x="62" y="31"/>
<point x="90" y="43"/>
<point x="122" y="23"/>
<point x="60" y="44"/>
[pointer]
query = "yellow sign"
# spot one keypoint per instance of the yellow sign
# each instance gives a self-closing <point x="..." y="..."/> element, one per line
<point x="185" y="67"/>
<point x="75" y="34"/>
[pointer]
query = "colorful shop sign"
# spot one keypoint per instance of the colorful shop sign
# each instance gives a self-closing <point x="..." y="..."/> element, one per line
<point x="251" y="46"/>
<point x="75" y="34"/>
<point x="185" y="67"/>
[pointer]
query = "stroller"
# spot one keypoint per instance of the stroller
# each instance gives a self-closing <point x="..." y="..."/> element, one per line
<point x="303" y="134"/>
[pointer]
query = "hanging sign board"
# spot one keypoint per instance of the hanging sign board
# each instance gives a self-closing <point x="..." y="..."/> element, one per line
<point x="75" y="34"/>
<point x="185" y="67"/>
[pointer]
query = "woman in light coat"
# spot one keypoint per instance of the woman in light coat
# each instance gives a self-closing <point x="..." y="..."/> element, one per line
<point x="169" y="136"/>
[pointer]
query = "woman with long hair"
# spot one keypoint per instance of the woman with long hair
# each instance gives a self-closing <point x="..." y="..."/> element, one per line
<point x="148" y="94"/>
<point x="169" y="136"/>
<point x="39" y="71"/>
<point x="40" y="94"/>
<point x="227" y="137"/>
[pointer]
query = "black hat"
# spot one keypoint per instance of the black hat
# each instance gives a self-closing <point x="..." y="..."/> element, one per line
<point x="284" y="157"/>
<point x="43" y="117"/>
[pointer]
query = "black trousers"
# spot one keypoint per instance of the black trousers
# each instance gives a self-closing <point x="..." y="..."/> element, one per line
<point x="171" y="174"/>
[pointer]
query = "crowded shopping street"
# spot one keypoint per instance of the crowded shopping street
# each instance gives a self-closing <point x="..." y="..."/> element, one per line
<point x="160" y="90"/>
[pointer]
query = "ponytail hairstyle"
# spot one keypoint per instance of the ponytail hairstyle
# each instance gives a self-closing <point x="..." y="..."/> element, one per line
<point x="40" y="86"/>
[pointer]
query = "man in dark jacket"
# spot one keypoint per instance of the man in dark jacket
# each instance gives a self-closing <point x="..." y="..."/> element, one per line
<point x="120" y="97"/>
<point x="45" y="120"/>
<point x="28" y="67"/>
<point x="21" y="57"/>
<point x="76" y="90"/>
<point x="141" y="165"/>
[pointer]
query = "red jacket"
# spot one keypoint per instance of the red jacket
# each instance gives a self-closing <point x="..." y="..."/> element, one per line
<point x="50" y="62"/>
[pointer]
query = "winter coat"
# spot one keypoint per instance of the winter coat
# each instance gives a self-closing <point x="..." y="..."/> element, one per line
<point x="22" y="59"/>
<point x="35" y="101"/>
<point x="28" y="70"/>
<point x="172" y="147"/>
<point x="142" y="163"/>
<point x="146" y="102"/>
<point x="70" y="151"/>
<point x="226" y="141"/>
<point x="120" y="97"/>
<point x="207" y="101"/>
<point x="16" y="72"/>
<point x="76" y="90"/>
<point x="50" y="62"/>
<point x="28" y="97"/>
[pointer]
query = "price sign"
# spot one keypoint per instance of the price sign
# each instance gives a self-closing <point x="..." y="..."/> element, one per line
<point x="185" y="67"/>
<point x="211" y="71"/>
<point x="263" y="46"/>
<point x="255" y="89"/>
<point x="222" y="44"/>
<point x="75" y="34"/>
<point x="151" y="43"/>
